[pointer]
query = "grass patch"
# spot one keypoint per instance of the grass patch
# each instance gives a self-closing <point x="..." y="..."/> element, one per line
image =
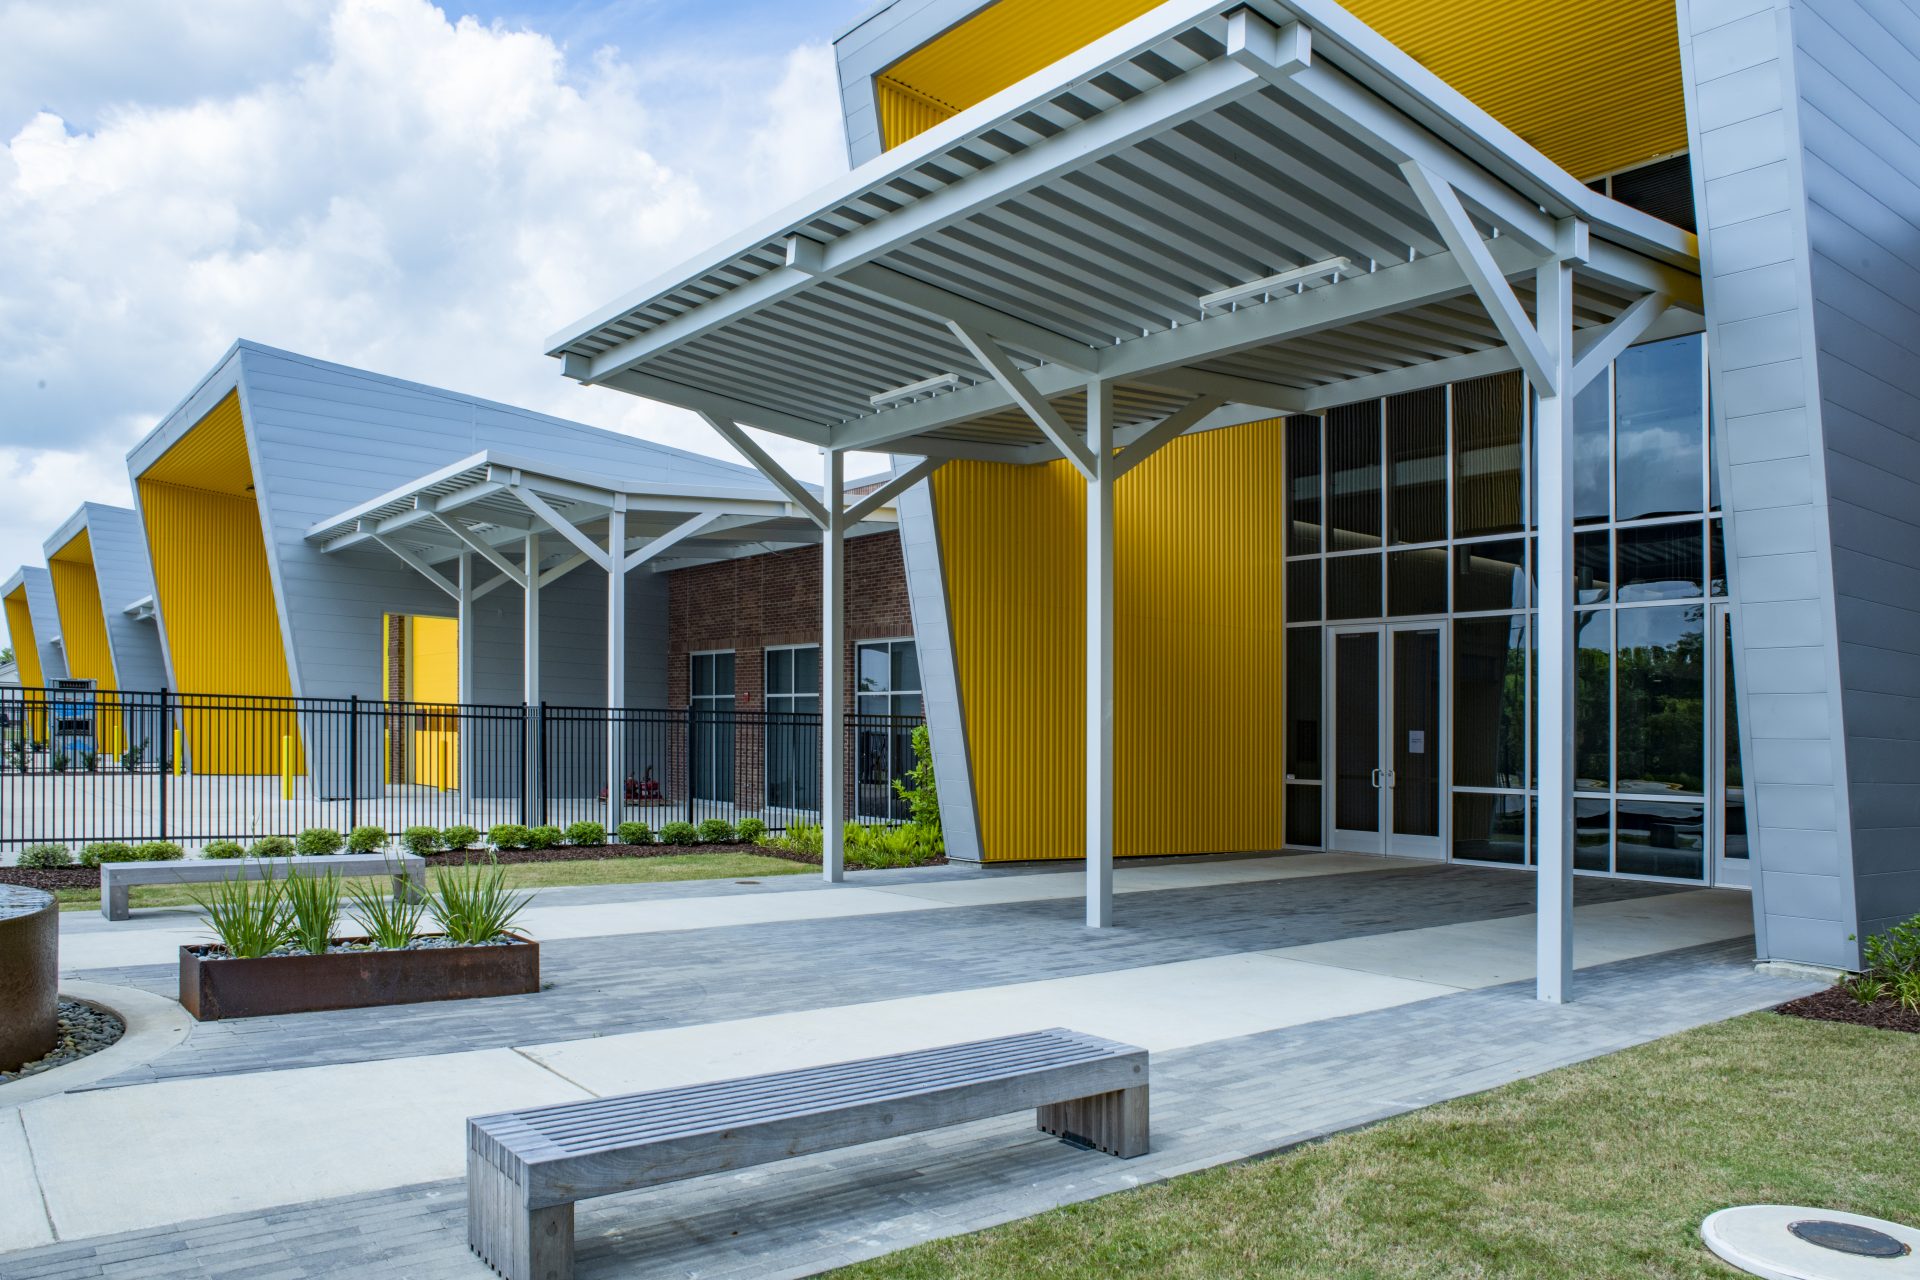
<point x="525" y="875"/>
<point x="1602" y="1169"/>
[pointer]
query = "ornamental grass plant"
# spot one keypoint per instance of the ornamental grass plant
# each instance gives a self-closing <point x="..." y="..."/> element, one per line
<point x="472" y="904"/>
<point x="249" y="918"/>
<point x="390" y="923"/>
<point x="313" y="910"/>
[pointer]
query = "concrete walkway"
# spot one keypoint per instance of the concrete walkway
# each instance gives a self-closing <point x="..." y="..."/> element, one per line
<point x="1287" y="982"/>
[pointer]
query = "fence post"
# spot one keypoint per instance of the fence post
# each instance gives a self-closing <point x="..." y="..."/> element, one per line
<point x="526" y="772"/>
<point x="166" y="763"/>
<point x="545" y="762"/>
<point x="353" y="761"/>
<point x="692" y="768"/>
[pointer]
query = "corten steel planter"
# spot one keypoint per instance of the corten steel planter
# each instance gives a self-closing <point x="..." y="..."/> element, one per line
<point x="212" y="988"/>
<point x="29" y="975"/>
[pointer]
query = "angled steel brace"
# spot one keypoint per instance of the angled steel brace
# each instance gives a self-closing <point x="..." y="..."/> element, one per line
<point x="487" y="551"/>
<point x="1603" y="346"/>
<point x="1015" y="384"/>
<point x="672" y="537"/>
<point x="418" y="565"/>
<point x="1165" y="431"/>
<point x="781" y="478"/>
<point x="561" y="570"/>
<point x="1450" y="219"/>
<point x="872" y="502"/>
<point x="561" y="525"/>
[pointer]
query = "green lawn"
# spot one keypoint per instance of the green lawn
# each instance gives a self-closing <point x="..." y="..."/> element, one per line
<point x="1603" y="1169"/>
<point x="529" y="875"/>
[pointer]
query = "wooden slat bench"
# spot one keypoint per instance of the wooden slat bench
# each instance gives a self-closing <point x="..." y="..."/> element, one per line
<point x="409" y="872"/>
<point x="525" y="1169"/>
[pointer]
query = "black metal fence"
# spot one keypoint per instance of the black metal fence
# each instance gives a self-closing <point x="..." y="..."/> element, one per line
<point x="77" y="767"/>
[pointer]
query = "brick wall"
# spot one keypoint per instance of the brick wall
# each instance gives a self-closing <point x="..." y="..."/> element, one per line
<point x="747" y="605"/>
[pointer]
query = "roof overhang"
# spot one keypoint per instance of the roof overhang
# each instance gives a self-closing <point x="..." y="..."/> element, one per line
<point x="488" y="503"/>
<point x="1072" y="225"/>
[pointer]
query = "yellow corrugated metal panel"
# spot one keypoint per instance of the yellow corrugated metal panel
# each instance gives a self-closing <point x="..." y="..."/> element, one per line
<point x="903" y="113"/>
<point x="83" y="631"/>
<point x="433" y="676"/>
<point x="26" y="652"/>
<point x="26" y="646"/>
<point x="1198" y="647"/>
<point x="212" y="586"/>
<point x="1594" y="84"/>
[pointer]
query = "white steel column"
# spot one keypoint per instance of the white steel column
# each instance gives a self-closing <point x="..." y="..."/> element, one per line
<point x="833" y="723"/>
<point x="616" y="663"/>
<point x="1099" y="793"/>
<point x="464" y="743"/>
<point x="530" y="660"/>
<point x="1554" y="504"/>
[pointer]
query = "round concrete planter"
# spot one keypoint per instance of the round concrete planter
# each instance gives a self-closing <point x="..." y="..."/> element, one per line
<point x="29" y="975"/>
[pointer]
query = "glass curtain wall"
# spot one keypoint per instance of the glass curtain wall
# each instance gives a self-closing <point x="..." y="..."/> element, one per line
<point x="1417" y="506"/>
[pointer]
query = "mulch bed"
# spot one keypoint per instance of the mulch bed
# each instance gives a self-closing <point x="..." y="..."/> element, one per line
<point x="51" y="878"/>
<point x="1836" y="1005"/>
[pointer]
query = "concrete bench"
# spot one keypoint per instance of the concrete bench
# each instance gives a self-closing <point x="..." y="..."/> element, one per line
<point x="409" y="871"/>
<point x="525" y="1169"/>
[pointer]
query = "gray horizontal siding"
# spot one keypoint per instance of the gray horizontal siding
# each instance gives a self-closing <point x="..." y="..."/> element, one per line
<point x="122" y="570"/>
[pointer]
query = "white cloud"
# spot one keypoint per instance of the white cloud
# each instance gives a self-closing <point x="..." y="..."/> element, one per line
<point x="379" y="185"/>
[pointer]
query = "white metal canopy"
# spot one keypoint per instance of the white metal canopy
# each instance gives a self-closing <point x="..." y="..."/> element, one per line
<point x="1077" y="221"/>
<point x="1220" y="212"/>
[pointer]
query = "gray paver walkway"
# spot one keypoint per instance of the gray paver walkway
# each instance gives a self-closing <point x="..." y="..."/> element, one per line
<point x="807" y="1215"/>
<point x="603" y="986"/>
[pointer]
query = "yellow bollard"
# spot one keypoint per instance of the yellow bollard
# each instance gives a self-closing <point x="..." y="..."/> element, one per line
<point x="176" y="751"/>
<point x="286" y="766"/>
<point x="446" y="765"/>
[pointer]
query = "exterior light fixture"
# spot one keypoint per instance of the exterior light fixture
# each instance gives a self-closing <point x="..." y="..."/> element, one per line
<point x="914" y="390"/>
<point x="1297" y="277"/>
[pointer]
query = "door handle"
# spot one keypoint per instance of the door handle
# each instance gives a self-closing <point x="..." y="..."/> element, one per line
<point x="1392" y="777"/>
<point x="1376" y="779"/>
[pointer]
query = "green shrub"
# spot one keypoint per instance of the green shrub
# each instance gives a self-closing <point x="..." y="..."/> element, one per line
<point x="586" y="833"/>
<point x="40" y="857"/>
<point x="1896" y="951"/>
<point x="317" y="842"/>
<point x="717" y="831"/>
<point x="911" y="845"/>
<point x="420" y="840"/>
<point x="159" y="851"/>
<point x="801" y="837"/>
<point x="224" y="849"/>
<point x="917" y="787"/>
<point x="272" y="847"/>
<point x="680" y="833"/>
<point x="107" y="851"/>
<point x="635" y="833"/>
<point x="753" y="831"/>
<point x="367" y="840"/>
<point x="456" y="838"/>
<point x="544" y="837"/>
<point x="313" y="909"/>
<point x="508" y="835"/>
<point x="472" y="904"/>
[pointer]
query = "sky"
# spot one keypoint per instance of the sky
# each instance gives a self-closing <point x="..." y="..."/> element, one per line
<point x="427" y="192"/>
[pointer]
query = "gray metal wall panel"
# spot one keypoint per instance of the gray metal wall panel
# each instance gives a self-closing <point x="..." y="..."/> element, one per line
<point x="121" y="570"/>
<point x="1857" y="72"/>
<point x="1743" y="122"/>
<point x="45" y="615"/>
<point x="325" y="437"/>
<point x="939" y="672"/>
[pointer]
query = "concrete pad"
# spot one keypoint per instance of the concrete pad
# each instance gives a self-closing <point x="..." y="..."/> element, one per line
<point x="185" y="1149"/>
<point x="104" y="949"/>
<point x="720" y="912"/>
<point x="23" y="1217"/>
<point x="1159" y="1007"/>
<point x="1487" y="953"/>
<point x="988" y="889"/>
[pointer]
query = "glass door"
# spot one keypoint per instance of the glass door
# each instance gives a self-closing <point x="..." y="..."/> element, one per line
<point x="1414" y="777"/>
<point x="1732" y="865"/>
<point x="1359" y="777"/>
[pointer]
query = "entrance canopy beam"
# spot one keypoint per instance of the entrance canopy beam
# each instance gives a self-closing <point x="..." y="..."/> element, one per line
<point x="1036" y="406"/>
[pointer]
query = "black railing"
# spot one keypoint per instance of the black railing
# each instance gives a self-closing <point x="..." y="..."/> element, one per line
<point x="191" y="768"/>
